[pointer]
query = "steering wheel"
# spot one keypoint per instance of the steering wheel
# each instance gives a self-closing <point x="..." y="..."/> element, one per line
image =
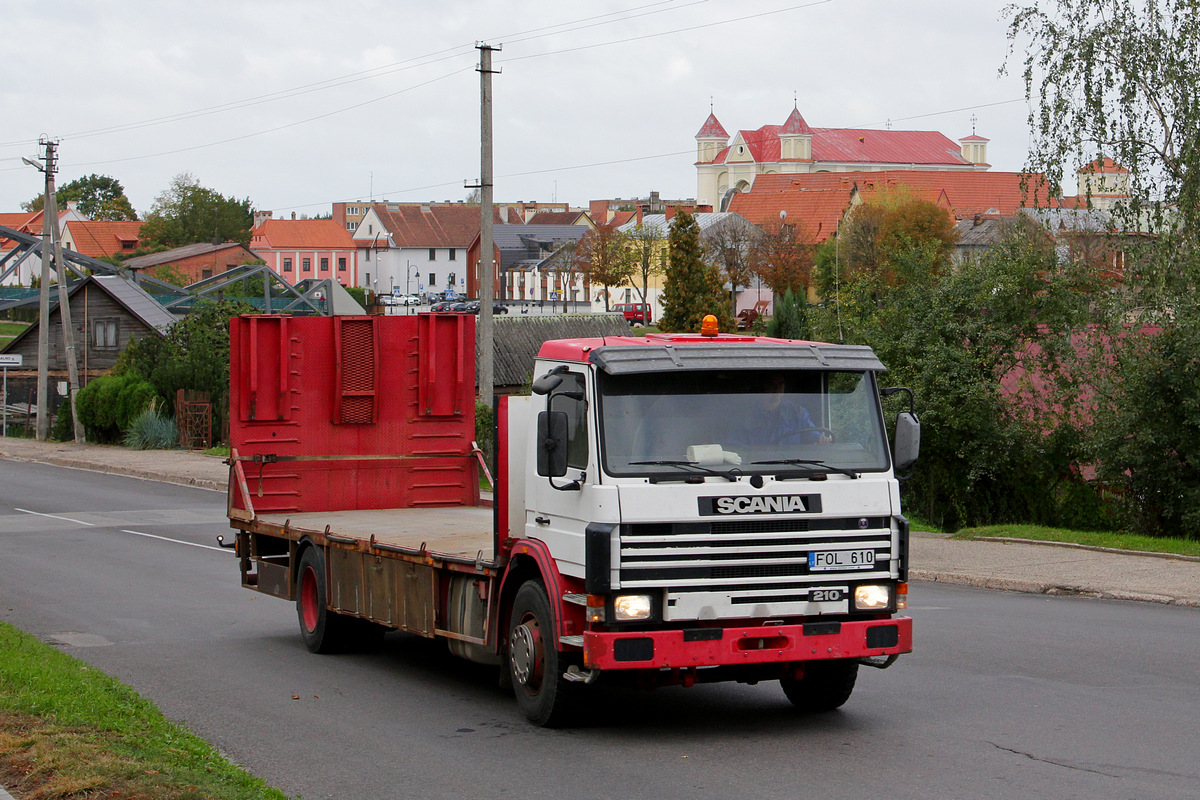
<point x="823" y="431"/>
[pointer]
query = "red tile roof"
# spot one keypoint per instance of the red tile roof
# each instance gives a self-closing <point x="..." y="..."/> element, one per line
<point x="454" y="225"/>
<point x="795" y="124"/>
<point x="300" y="234"/>
<point x="712" y="129"/>
<point x="100" y="238"/>
<point x="818" y="200"/>
<point x="856" y="146"/>
<point x="1102" y="165"/>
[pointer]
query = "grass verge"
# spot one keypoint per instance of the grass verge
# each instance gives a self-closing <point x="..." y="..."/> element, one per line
<point x="70" y="732"/>
<point x="1115" y="540"/>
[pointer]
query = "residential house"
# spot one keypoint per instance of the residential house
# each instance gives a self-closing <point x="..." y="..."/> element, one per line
<point x="101" y="238"/>
<point x="411" y="248"/>
<point x="107" y="313"/>
<point x="29" y="222"/>
<point x="728" y="165"/>
<point x="532" y="264"/>
<point x="194" y="262"/>
<point x="299" y="249"/>
<point x="351" y="215"/>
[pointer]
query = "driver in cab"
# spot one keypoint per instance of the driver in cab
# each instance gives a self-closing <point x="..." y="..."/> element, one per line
<point x="781" y="418"/>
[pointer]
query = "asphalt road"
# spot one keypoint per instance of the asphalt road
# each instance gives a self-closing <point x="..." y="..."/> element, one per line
<point x="1006" y="696"/>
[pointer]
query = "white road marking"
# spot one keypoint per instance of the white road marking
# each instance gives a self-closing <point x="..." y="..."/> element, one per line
<point x="179" y="541"/>
<point x="53" y="516"/>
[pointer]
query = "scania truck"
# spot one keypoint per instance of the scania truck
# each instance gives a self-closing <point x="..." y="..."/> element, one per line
<point x="671" y="509"/>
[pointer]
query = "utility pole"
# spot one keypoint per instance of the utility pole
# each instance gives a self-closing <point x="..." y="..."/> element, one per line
<point x="486" y="245"/>
<point x="51" y="239"/>
<point x="64" y="305"/>
<point x="43" y="353"/>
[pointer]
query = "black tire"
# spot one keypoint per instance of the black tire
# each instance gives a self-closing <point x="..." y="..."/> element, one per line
<point x="826" y="685"/>
<point x="533" y="661"/>
<point x="323" y="630"/>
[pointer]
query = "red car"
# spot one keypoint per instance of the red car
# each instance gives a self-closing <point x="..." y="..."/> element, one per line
<point x="635" y="313"/>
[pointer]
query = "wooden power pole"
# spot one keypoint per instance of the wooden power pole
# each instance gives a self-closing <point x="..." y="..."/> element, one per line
<point x="486" y="242"/>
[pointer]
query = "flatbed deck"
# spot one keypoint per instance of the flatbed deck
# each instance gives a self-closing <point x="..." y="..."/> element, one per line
<point x="458" y="532"/>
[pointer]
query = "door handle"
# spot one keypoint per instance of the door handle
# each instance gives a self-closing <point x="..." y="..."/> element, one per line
<point x="542" y="520"/>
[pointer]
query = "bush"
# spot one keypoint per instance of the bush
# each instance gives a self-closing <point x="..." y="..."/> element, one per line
<point x="150" y="430"/>
<point x="108" y="405"/>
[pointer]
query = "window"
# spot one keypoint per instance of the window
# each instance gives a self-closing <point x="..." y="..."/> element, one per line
<point x="324" y="265"/>
<point x="433" y="254"/>
<point x="367" y="252"/>
<point x="453" y="254"/>
<point x="205" y="273"/>
<point x="341" y="265"/>
<point x="287" y="265"/>
<point x="307" y="264"/>
<point x="353" y="211"/>
<point x="351" y="226"/>
<point x="432" y="280"/>
<point x="576" y="411"/>
<point x="104" y="334"/>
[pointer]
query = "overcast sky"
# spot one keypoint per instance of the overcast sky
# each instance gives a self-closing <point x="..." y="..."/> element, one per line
<point x="303" y="103"/>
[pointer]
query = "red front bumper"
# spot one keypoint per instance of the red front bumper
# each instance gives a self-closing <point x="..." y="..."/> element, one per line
<point x="705" y="647"/>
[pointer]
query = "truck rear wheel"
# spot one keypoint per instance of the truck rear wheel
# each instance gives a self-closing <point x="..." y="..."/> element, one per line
<point x="826" y="685"/>
<point x="534" y="663"/>
<point x="323" y="630"/>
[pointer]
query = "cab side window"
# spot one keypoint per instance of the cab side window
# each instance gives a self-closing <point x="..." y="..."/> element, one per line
<point x="570" y="398"/>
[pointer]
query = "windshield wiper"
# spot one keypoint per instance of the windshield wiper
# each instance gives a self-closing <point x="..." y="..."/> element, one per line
<point x="729" y="475"/>
<point x="808" y="462"/>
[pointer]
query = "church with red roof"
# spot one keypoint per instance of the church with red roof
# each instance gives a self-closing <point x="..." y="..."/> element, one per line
<point x="726" y="166"/>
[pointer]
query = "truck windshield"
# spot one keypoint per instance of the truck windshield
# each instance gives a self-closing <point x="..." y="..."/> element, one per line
<point x="805" y="422"/>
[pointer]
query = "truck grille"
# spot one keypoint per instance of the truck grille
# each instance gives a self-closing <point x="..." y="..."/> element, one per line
<point x="746" y="555"/>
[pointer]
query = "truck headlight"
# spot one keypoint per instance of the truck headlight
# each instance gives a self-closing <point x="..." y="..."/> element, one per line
<point x="872" y="597"/>
<point x="632" y="607"/>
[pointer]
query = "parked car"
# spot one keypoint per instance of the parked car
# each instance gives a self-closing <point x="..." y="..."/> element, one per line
<point x="635" y="313"/>
<point x="444" y="305"/>
<point x="387" y="300"/>
<point x="408" y="300"/>
<point x="497" y="308"/>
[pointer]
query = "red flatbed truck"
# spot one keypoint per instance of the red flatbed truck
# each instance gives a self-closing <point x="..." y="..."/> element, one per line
<point x="648" y="526"/>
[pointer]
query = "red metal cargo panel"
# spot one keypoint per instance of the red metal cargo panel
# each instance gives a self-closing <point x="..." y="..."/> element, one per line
<point x="354" y="412"/>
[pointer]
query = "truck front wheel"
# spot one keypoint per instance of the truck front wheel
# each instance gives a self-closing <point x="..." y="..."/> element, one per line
<point x="533" y="660"/>
<point x="826" y="685"/>
<point x="323" y="630"/>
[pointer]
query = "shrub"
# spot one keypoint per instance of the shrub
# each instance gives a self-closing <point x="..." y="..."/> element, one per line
<point x="150" y="430"/>
<point x="108" y="405"/>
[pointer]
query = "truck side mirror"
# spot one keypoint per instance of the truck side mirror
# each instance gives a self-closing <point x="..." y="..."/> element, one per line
<point x="552" y="444"/>
<point x="907" y="445"/>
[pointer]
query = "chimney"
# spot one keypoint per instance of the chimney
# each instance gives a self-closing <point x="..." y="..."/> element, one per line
<point x="293" y="215"/>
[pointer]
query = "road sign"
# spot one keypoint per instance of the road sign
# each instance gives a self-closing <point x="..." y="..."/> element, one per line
<point x="11" y="360"/>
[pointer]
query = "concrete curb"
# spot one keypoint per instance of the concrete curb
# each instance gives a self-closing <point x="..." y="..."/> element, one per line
<point x="1035" y="587"/>
<point x="116" y="469"/>
<point x="1091" y="547"/>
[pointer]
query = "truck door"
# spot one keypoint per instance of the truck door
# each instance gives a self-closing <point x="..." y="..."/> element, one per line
<point x="560" y="509"/>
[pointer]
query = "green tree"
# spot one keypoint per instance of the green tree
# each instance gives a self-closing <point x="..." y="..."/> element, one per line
<point x="692" y="288"/>
<point x="960" y="339"/>
<point x="604" y="258"/>
<point x="194" y="355"/>
<point x="1116" y="79"/>
<point x="98" y="197"/>
<point x="782" y="257"/>
<point x="791" y="318"/>
<point x="188" y="213"/>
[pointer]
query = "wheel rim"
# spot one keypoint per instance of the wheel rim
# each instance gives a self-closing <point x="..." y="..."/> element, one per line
<point x="308" y="599"/>
<point x="528" y="656"/>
